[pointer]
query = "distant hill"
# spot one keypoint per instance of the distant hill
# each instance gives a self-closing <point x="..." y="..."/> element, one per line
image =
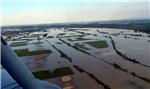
<point x="142" y="25"/>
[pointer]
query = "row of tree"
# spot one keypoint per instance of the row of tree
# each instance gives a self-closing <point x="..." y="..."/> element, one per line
<point x="92" y="76"/>
<point x="124" y="56"/>
<point x="63" y="55"/>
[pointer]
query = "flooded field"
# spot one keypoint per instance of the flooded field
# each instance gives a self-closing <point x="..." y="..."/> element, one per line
<point x="98" y="58"/>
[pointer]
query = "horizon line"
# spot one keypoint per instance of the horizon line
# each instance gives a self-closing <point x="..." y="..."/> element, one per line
<point x="74" y="22"/>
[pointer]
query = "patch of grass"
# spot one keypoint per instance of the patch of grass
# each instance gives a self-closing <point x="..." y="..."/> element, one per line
<point x="79" y="38"/>
<point x="28" y="39"/>
<point x="16" y="39"/>
<point x="69" y="39"/>
<point x="35" y="35"/>
<point x="98" y="44"/>
<point x="22" y="52"/>
<point x="62" y="71"/>
<point x="25" y="52"/>
<point x="119" y="67"/>
<point x="37" y="42"/>
<point x="39" y="52"/>
<point x="58" y="43"/>
<point x="71" y="36"/>
<point x="45" y="74"/>
<point x="74" y="47"/>
<point x="81" y="46"/>
<point x="18" y="44"/>
<point x="50" y="37"/>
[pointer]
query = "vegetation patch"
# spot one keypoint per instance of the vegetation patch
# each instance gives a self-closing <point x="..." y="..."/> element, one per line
<point x="17" y="39"/>
<point x="124" y="56"/>
<point x="75" y="47"/>
<point x="72" y="36"/>
<point x="58" y="43"/>
<point x="27" y="39"/>
<point x="81" y="46"/>
<point x="22" y="52"/>
<point x="50" y="37"/>
<point x="39" y="52"/>
<point x="35" y="35"/>
<point x="37" y="42"/>
<point x="119" y="67"/>
<point x="25" y="52"/>
<point x="45" y="74"/>
<point x="69" y="39"/>
<point x="18" y="44"/>
<point x="143" y="78"/>
<point x="62" y="71"/>
<point x="63" y="55"/>
<point x="79" y="38"/>
<point x="78" y="68"/>
<point x="98" y="44"/>
<point x="92" y="76"/>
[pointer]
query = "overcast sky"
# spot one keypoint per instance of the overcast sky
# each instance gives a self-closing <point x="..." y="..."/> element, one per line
<point x="15" y="12"/>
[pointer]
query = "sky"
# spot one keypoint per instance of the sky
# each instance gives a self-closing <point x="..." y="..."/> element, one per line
<point x="18" y="12"/>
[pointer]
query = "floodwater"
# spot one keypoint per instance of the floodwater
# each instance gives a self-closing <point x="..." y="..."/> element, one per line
<point x="136" y="47"/>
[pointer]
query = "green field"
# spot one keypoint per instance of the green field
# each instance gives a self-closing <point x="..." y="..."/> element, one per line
<point x="19" y="39"/>
<point x="35" y="35"/>
<point x="18" y="44"/>
<point x="58" y="43"/>
<point x="98" y="44"/>
<point x="81" y="46"/>
<point x="79" y="38"/>
<point x="45" y="74"/>
<point x="39" y="52"/>
<point x="62" y="71"/>
<point x="37" y="42"/>
<point x="27" y="39"/>
<point x="69" y="39"/>
<point x="25" y="52"/>
<point x="71" y="36"/>
<point x="50" y="37"/>
<point x="22" y="52"/>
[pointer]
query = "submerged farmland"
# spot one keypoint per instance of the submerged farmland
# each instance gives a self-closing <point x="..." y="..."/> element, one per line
<point x="87" y="58"/>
